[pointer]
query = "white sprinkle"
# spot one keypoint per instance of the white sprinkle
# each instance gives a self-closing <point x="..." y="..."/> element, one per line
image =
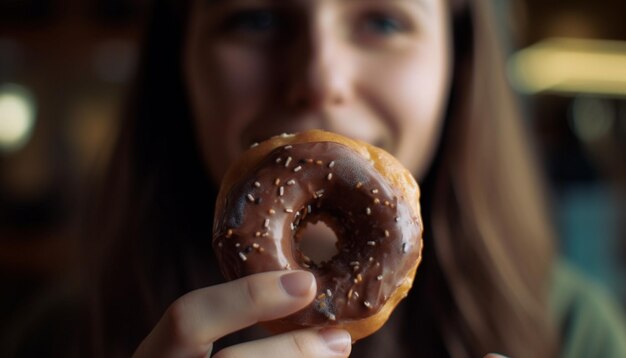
<point x="250" y="198"/>
<point x="367" y="304"/>
<point x="330" y="316"/>
<point x="271" y="211"/>
<point x="331" y="164"/>
<point x="318" y="194"/>
<point x="371" y="259"/>
<point x="242" y="256"/>
<point x="368" y="211"/>
<point x="308" y="209"/>
<point x="289" y="210"/>
<point x="287" y="162"/>
<point x="386" y="233"/>
<point x="374" y="191"/>
<point x="356" y="294"/>
<point x="288" y="147"/>
<point x="254" y="145"/>
<point x="329" y="176"/>
<point x="354" y="263"/>
<point x="279" y="159"/>
<point x="266" y="223"/>
<point x="371" y="243"/>
<point x="257" y="184"/>
<point x="285" y="135"/>
<point x="405" y="248"/>
<point x="255" y="245"/>
<point x="297" y="169"/>
<point x="379" y="277"/>
<point x="329" y="293"/>
<point x="397" y="219"/>
<point x="281" y="191"/>
<point x="277" y="181"/>
<point x="237" y="244"/>
<point x="291" y="182"/>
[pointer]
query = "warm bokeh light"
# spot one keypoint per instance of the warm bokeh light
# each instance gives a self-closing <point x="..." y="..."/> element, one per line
<point x="17" y="117"/>
<point x="571" y="66"/>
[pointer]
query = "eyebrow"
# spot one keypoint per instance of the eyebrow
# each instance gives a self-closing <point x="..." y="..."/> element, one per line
<point x="425" y="5"/>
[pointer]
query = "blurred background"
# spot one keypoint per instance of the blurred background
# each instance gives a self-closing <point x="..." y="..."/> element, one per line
<point x="65" y="67"/>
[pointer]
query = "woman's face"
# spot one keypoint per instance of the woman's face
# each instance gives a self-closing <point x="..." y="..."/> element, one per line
<point x="375" y="70"/>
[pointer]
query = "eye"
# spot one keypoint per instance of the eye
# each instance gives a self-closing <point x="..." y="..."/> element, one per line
<point x="253" y="21"/>
<point x="383" y="24"/>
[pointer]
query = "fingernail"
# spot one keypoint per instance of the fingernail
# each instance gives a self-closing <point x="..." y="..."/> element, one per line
<point x="297" y="284"/>
<point x="336" y="339"/>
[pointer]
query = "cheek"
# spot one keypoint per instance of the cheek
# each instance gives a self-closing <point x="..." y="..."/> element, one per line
<point x="225" y="84"/>
<point x="413" y="90"/>
<point x="240" y="75"/>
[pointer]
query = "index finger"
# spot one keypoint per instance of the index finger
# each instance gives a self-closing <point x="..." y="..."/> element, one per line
<point x="194" y="321"/>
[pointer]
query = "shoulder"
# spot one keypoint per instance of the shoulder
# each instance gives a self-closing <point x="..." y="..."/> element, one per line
<point x="591" y="324"/>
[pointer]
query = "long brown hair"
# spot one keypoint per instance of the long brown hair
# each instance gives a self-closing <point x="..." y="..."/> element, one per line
<point x="491" y="234"/>
<point x="483" y="284"/>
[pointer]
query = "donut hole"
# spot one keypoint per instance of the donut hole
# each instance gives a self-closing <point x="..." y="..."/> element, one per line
<point x="317" y="241"/>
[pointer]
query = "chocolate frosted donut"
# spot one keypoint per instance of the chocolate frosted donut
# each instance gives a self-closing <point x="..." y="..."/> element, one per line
<point x="362" y="193"/>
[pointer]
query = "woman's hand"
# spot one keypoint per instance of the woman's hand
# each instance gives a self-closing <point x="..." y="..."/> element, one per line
<point x="194" y="321"/>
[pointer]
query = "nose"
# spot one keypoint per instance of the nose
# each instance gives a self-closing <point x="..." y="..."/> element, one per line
<point x="320" y="74"/>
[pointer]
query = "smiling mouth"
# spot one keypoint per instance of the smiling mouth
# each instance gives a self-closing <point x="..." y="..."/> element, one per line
<point x="379" y="142"/>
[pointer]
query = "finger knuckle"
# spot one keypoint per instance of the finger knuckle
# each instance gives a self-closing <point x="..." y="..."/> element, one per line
<point x="227" y="352"/>
<point x="252" y="293"/>
<point x="303" y="345"/>
<point x="177" y="315"/>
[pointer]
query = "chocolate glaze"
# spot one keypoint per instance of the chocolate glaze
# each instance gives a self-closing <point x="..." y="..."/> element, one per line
<point x="378" y="234"/>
